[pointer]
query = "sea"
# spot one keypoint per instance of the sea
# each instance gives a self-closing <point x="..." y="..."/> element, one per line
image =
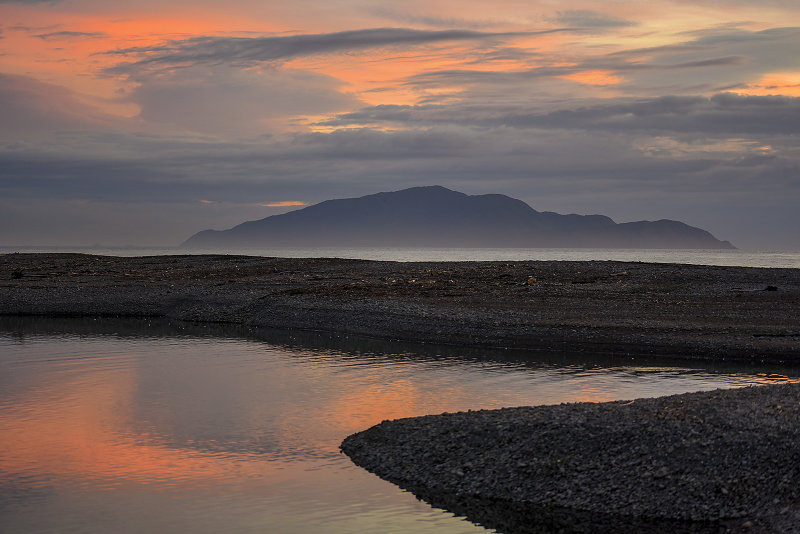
<point x="737" y="257"/>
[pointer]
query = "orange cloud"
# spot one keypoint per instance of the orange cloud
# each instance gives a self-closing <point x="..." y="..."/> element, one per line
<point x="785" y="84"/>
<point x="74" y="49"/>
<point x="594" y="77"/>
<point x="284" y="203"/>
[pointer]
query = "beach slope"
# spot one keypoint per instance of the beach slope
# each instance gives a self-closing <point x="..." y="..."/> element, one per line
<point x="596" y="307"/>
<point x="720" y="461"/>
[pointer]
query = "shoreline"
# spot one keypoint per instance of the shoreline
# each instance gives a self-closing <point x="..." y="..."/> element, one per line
<point x="716" y="461"/>
<point x="689" y="445"/>
<point x="594" y="307"/>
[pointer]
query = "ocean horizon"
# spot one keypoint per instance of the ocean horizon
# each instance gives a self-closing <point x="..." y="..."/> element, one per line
<point x="719" y="257"/>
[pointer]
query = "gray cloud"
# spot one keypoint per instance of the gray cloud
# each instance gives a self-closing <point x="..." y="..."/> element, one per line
<point x="713" y="59"/>
<point x="441" y="22"/>
<point x="70" y="35"/>
<point x="218" y="101"/>
<point x="713" y="62"/>
<point x="725" y="35"/>
<point x="25" y="175"/>
<point x="727" y="114"/>
<point x="737" y="55"/>
<point x="221" y="100"/>
<point x="30" y="107"/>
<point x="245" y="50"/>
<point x="587" y="19"/>
<point x="31" y="29"/>
<point x="482" y="77"/>
<point x="177" y="171"/>
<point x="552" y="169"/>
<point x="722" y="114"/>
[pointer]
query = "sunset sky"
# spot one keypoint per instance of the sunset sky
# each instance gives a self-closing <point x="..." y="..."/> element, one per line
<point x="140" y="123"/>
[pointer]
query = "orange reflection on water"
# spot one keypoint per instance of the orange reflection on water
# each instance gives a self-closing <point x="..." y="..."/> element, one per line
<point x="88" y="425"/>
<point x="262" y="415"/>
<point x="79" y="430"/>
<point x="368" y="405"/>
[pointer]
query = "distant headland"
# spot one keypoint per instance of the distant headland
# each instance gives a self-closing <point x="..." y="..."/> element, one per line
<point x="434" y="216"/>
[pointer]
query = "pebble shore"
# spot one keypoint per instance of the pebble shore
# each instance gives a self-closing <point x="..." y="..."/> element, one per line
<point x="720" y="461"/>
<point x="596" y="307"/>
<point x="725" y="461"/>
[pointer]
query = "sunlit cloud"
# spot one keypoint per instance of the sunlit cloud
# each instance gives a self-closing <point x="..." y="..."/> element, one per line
<point x="267" y="49"/>
<point x="596" y="77"/>
<point x="787" y="84"/>
<point x="722" y="114"/>
<point x="284" y="203"/>
<point x="669" y="147"/>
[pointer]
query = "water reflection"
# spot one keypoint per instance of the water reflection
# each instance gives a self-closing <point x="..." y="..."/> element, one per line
<point x="132" y="426"/>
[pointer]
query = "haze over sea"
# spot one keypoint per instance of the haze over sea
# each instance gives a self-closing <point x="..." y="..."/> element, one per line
<point x="737" y="257"/>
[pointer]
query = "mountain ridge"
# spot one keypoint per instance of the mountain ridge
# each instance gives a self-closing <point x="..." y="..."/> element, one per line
<point x="434" y="216"/>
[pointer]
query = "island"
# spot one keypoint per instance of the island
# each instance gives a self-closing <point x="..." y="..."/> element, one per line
<point x="434" y="216"/>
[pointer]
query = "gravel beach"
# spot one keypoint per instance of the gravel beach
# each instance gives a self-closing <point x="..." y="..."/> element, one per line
<point x="599" y="307"/>
<point x="722" y="461"/>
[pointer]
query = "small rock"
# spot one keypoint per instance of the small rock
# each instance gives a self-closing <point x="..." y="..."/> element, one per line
<point x="661" y="473"/>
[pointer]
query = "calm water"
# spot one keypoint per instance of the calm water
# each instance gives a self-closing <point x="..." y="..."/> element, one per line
<point x="745" y="258"/>
<point x="115" y="426"/>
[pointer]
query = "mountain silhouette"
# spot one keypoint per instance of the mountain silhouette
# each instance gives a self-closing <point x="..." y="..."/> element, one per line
<point x="434" y="216"/>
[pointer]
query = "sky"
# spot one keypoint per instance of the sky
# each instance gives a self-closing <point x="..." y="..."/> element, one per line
<point x="141" y="123"/>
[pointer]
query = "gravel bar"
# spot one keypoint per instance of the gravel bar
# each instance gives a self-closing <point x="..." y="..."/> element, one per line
<point x="719" y="461"/>
<point x="595" y="307"/>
